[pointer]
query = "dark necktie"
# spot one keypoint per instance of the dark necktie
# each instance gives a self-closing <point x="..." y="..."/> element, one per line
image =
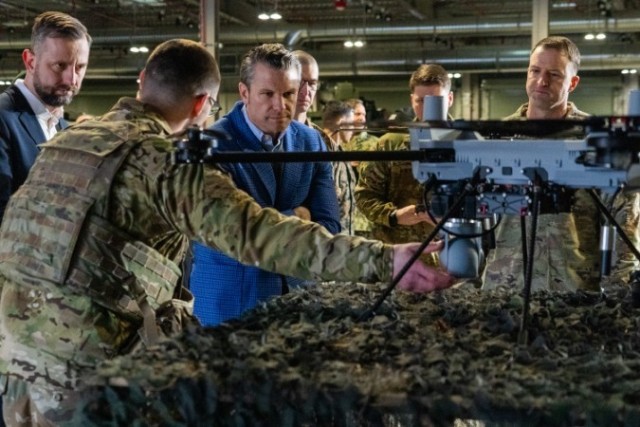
<point x="267" y="144"/>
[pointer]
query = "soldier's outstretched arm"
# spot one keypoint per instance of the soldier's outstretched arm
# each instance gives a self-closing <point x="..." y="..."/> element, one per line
<point x="419" y="278"/>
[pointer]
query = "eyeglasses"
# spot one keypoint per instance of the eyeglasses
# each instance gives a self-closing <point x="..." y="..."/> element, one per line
<point x="215" y="106"/>
<point x="312" y="84"/>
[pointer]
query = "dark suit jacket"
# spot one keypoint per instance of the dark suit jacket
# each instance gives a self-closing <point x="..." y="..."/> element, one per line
<point x="20" y="134"/>
<point x="223" y="287"/>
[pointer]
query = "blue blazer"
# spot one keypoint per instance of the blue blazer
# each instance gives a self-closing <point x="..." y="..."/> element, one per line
<point x="224" y="288"/>
<point x="20" y="135"/>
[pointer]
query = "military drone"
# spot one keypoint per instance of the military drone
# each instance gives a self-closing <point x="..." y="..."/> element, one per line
<point x="478" y="170"/>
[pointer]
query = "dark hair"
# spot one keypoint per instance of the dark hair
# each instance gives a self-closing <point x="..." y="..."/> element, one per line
<point x="180" y="68"/>
<point x="57" y="25"/>
<point x="562" y="44"/>
<point x="430" y="74"/>
<point x="274" y="55"/>
<point x="333" y="111"/>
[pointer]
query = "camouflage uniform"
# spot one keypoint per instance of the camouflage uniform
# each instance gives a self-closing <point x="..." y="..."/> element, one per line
<point x="345" y="178"/>
<point x="386" y="186"/>
<point x="361" y="142"/>
<point x="90" y="246"/>
<point x="566" y="255"/>
<point x="572" y="112"/>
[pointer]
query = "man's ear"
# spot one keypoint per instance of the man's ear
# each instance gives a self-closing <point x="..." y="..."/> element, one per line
<point x="243" y="89"/>
<point x="450" y="98"/>
<point x="200" y="102"/>
<point x="574" y="83"/>
<point x="29" y="58"/>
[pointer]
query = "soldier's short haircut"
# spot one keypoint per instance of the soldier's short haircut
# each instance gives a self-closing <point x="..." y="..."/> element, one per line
<point x="333" y="111"/>
<point x="428" y="75"/>
<point x="179" y="69"/>
<point x="274" y="55"/>
<point x="562" y="44"/>
<point x="57" y="25"/>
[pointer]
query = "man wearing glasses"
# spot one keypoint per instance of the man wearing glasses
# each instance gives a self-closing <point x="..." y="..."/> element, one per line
<point x="262" y="121"/>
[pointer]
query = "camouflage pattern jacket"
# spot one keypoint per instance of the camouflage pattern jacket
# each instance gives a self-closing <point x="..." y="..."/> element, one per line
<point x="572" y="112"/>
<point x="345" y="178"/>
<point x="363" y="141"/>
<point x="386" y="186"/>
<point x="89" y="246"/>
<point x="566" y="254"/>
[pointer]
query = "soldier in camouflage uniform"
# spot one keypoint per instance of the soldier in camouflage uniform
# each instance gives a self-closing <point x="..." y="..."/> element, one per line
<point x="566" y="254"/>
<point x="90" y="244"/>
<point x="361" y="141"/>
<point x="337" y="115"/>
<point x="387" y="192"/>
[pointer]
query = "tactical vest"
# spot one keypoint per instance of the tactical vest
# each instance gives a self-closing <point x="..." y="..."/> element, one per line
<point x="54" y="231"/>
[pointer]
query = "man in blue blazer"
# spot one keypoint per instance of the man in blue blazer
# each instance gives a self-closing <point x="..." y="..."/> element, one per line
<point x="262" y="121"/>
<point x="31" y="109"/>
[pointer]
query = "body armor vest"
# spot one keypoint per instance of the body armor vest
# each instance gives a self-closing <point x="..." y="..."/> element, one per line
<point x="55" y="230"/>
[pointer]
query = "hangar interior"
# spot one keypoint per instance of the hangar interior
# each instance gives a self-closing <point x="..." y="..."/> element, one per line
<point x="485" y="44"/>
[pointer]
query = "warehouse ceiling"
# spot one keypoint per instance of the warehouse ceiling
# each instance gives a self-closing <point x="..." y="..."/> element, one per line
<point x="463" y="35"/>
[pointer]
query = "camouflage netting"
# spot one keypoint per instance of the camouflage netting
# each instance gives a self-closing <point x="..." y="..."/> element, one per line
<point x="444" y="359"/>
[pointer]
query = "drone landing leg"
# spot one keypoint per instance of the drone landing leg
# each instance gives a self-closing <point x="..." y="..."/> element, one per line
<point x="523" y="239"/>
<point x="524" y="321"/>
<point x="635" y="276"/>
<point x="468" y="188"/>
<point x="603" y="209"/>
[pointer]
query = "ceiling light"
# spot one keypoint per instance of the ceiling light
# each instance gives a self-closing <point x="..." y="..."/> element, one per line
<point x="563" y="5"/>
<point x="358" y="43"/>
<point x="589" y="36"/>
<point x="601" y="36"/>
<point x="631" y="71"/>
<point x="265" y="16"/>
<point x="139" y="49"/>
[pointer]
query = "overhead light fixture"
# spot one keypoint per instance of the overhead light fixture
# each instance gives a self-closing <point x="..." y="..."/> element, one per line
<point x="564" y="5"/>
<point x="139" y="49"/>
<point x="264" y="16"/>
<point x="454" y="75"/>
<point x="599" y="36"/>
<point x="358" y="43"/>
<point x="629" y="71"/>
<point x="272" y="14"/>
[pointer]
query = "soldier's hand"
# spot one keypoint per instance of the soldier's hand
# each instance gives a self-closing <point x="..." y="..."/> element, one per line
<point x="302" y="213"/>
<point x="411" y="215"/>
<point x="419" y="278"/>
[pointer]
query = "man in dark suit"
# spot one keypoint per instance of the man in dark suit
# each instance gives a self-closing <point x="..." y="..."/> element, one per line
<point x="31" y="109"/>
<point x="263" y="121"/>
